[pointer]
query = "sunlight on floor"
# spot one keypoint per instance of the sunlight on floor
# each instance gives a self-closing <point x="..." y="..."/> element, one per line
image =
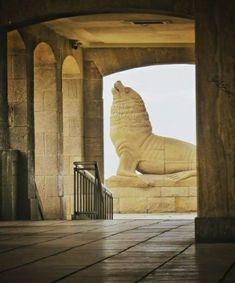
<point x="155" y="216"/>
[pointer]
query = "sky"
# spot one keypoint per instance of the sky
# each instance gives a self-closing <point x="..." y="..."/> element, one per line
<point x="168" y="92"/>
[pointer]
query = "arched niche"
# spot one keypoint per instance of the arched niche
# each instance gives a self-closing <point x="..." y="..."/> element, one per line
<point x="72" y="126"/>
<point x="46" y="130"/>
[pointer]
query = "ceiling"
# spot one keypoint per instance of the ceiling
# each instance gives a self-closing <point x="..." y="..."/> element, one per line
<point x="126" y="30"/>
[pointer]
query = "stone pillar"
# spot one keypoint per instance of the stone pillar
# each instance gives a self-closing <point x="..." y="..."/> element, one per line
<point x="3" y="92"/>
<point x="32" y="207"/>
<point x="18" y="120"/>
<point x="215" y="52"/>
<point x="93" y="115"/>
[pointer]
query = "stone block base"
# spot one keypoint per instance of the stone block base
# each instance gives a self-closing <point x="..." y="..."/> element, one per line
<point x="152" y="194"/>
<point x="215" y="229"/>
<point x="154" y="200"/>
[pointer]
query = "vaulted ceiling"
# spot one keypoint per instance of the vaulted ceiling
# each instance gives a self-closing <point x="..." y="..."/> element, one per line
<point x="126" y="30"/>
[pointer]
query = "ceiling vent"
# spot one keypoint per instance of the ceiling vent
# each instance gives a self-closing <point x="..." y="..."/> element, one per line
<point x="146" y="23"/>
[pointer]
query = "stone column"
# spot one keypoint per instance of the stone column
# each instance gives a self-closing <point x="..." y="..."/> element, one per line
<point x="215" y="53"/>
<point x="93" y="115"/>
<point x="3" y="92"/>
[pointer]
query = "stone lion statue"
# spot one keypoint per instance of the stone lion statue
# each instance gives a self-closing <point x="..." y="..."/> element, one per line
<point x="137" y="147"/>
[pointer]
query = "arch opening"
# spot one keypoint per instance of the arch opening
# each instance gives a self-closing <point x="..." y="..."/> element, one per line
<point x="46" y="130"/>
<point x="168" y="92"/>
<point x="72" y="127"/>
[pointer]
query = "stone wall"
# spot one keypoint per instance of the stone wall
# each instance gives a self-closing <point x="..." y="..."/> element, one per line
<point x="120" y="59"/>
<point x="18" y="114"/>
<point x="36" y="122"/>
<point x="155" y="199"/>
<point x="160" y="195"/>
<point x="93" y="115"/>
<point x="56" y="110"/>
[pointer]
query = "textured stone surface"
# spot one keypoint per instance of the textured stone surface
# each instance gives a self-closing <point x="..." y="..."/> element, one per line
<point x="3" y="93"/>
<point x="18" y="118"/>
<point x="153" y="193"/>
<point x="150" y="203"/>
<point x="93" y="124"/>
<point x="136" y="57"/>
<point x="127" y="250"/>
<point x="153" y="199"/>
<point x="174" y="191"/>
<point x="72" y="127"/>
<point x="216" y="108"/>
<point x="46" y="130"/>
<point x="215" y="83"/>
<point x="163" y="204"/>
<point x="133" y="205"/>
<point x="185" y="204"/>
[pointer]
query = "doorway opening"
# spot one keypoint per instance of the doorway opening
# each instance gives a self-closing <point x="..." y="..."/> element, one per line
<point x="168" y="92"/>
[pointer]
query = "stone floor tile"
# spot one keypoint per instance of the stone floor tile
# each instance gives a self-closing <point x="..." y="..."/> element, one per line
<point x="122" y="250"/>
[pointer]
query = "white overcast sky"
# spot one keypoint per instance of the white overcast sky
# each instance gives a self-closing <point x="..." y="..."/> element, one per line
<point x="168" y="92"/>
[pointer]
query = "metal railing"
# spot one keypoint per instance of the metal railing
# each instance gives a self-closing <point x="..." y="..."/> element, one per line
<point x="91" y="199"/>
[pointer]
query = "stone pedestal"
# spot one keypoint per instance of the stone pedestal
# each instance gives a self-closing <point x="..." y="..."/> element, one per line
<point x="153" y="193"/>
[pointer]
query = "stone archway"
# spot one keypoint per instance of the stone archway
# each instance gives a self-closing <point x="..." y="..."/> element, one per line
<point x="46" y="130"/>
<point x="72" y="127"/>
<point x="60" y="9"/>
<point x="131" y="196"/>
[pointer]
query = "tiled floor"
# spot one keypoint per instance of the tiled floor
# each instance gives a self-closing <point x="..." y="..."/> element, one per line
<point x="122" y="250"/>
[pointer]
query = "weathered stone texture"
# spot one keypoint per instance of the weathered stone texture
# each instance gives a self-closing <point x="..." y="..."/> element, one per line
<point x="3" y="92"/>
<point x="154" y="199"/>
<point x="52" y="9"/>
<point x="46" y="130"/>
<point x="72" y="127"/>
<point x="216" y="107"/>
<point x="215" y="25"/>
<point x="93" y="124"/>
<point x="121" y="59"/>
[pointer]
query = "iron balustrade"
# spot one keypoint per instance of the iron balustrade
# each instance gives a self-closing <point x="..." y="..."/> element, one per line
<point x="91" y="199"/>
